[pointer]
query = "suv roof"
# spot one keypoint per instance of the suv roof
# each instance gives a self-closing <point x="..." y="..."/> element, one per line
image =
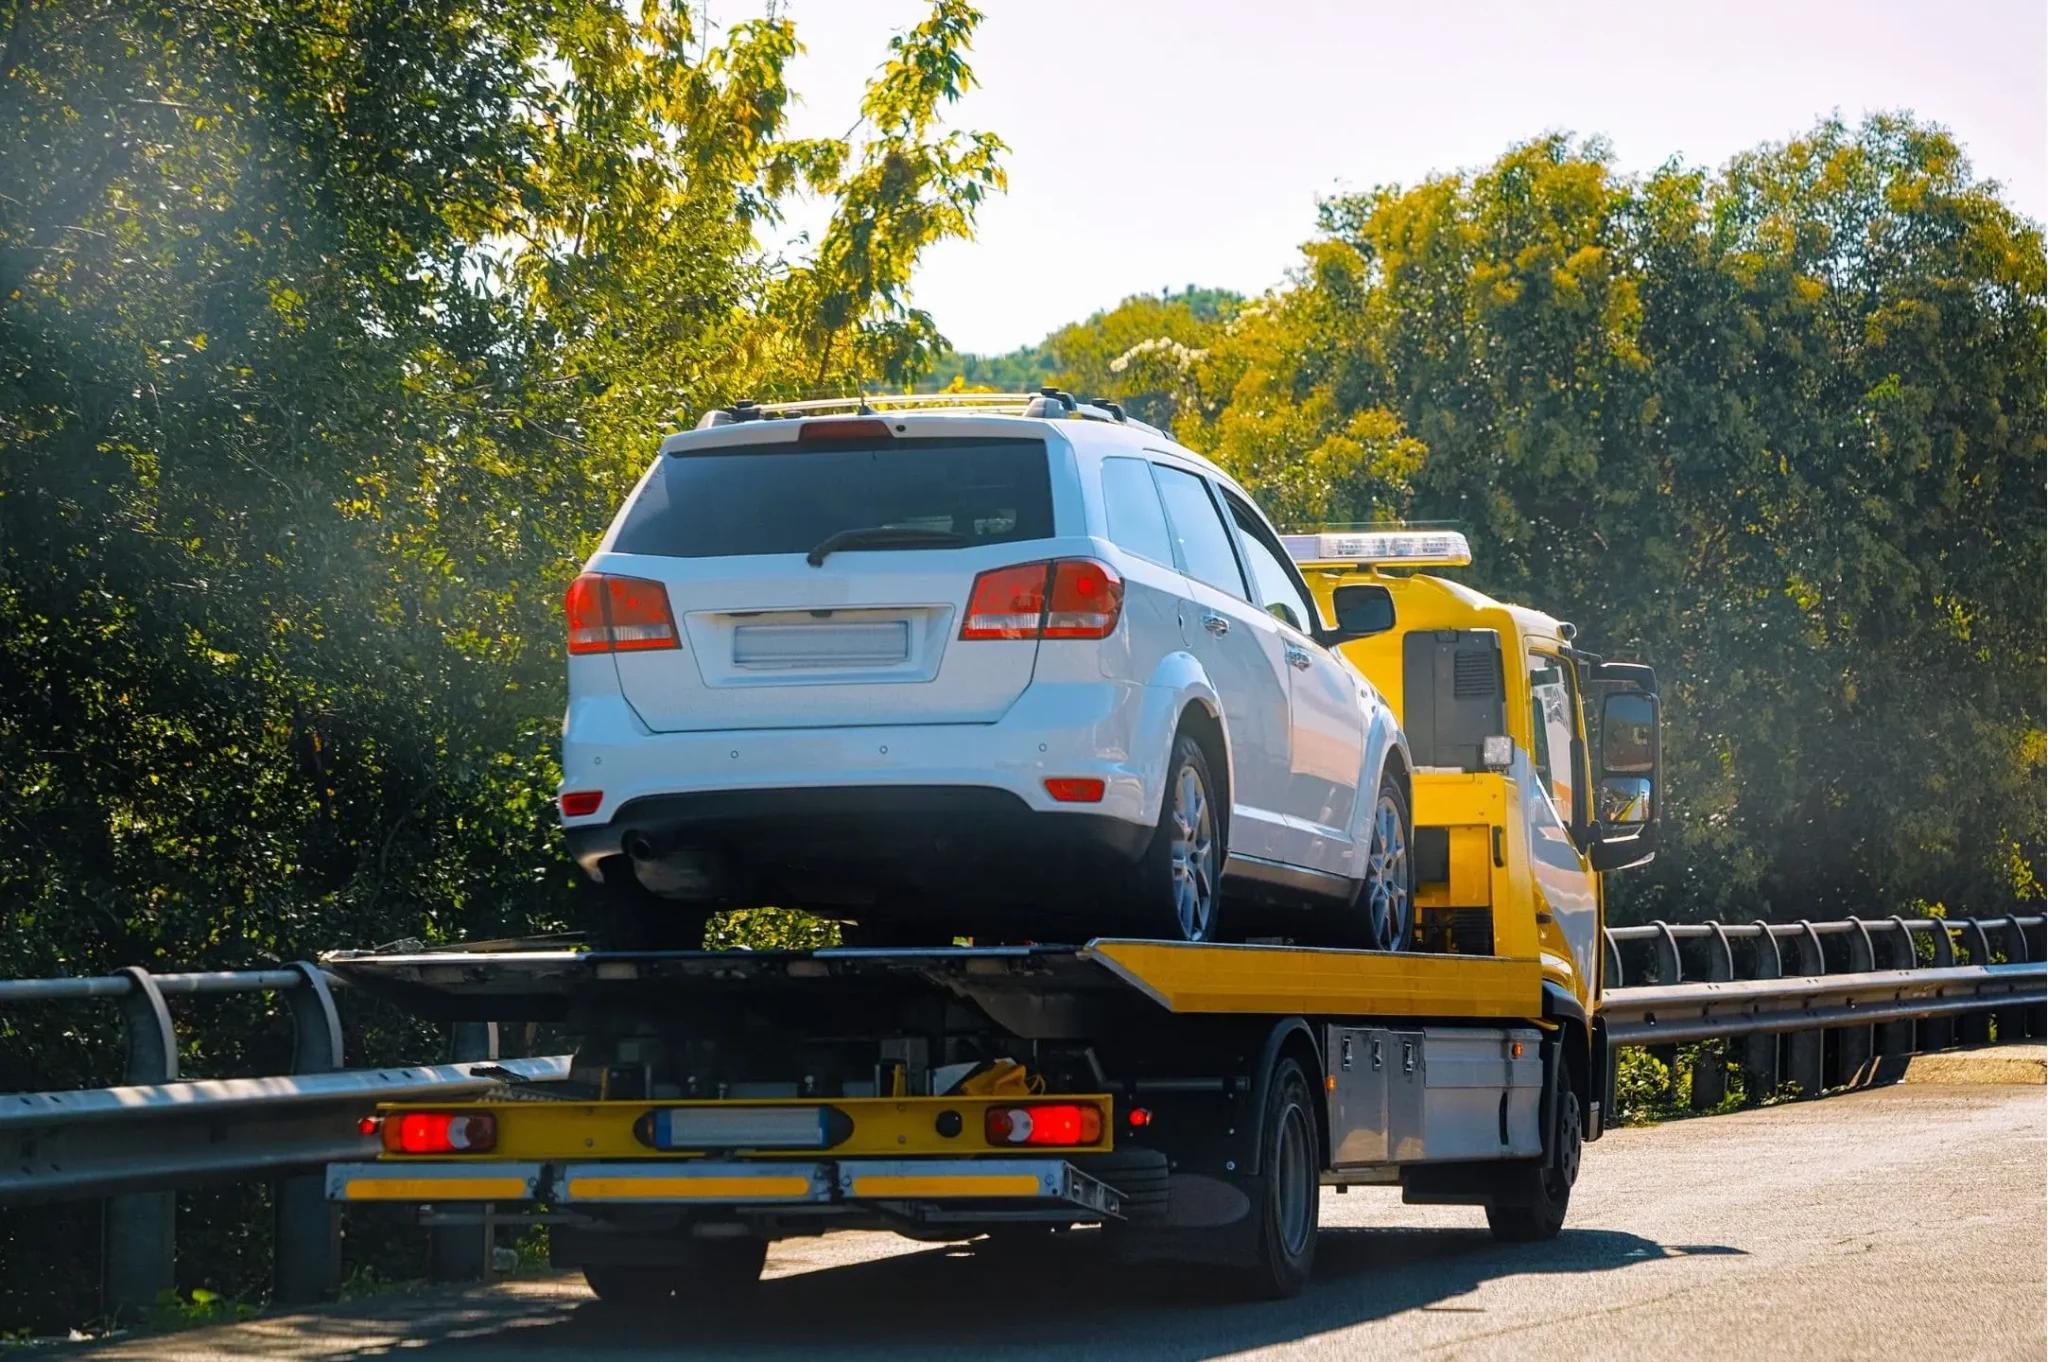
<point x="768" y="423"/>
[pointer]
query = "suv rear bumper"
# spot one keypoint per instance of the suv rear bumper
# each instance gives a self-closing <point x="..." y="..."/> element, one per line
<point x="851" y="846"/>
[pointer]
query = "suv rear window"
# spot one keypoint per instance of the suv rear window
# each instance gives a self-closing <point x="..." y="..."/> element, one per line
<point x="789" y="499"/>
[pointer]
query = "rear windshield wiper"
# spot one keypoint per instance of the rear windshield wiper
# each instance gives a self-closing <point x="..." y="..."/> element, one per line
<point x="883" y="537"/>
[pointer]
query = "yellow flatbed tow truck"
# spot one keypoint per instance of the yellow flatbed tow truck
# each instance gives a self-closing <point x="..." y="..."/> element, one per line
<point x="1189" y="1099"/>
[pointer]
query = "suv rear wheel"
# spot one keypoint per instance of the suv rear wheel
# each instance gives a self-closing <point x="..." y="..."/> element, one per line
<point x="1174" y="892"/>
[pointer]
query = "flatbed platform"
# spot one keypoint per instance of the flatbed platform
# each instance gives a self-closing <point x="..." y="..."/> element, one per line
<point x="1180" y="978"/>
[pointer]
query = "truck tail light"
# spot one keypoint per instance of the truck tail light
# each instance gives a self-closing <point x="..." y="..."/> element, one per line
<point x="440" y="1132"/>
<point x="1066" y="598"/>
<point x="1044" y="1123"/>
<point x="610" y="614"/>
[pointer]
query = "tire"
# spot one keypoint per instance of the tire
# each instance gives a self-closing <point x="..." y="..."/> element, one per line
<point x="1174" y="893"/>
<point x="630" y="1284"/>
<point x="715" y="1273"/>
<point x="620" y="915"/>
<point x="1382" y="915"/>
<point x="1287" y="1194"/>
<point x="1535" y="1196"/>
<point x="722" y="1272"/>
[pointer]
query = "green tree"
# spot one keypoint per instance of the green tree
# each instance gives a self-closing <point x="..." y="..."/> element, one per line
<point x="1777" y="429"/>
<point x="330" y="336"/>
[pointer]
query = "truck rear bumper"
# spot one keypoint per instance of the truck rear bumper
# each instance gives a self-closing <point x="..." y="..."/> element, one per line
<point x="1050" y="1184"/>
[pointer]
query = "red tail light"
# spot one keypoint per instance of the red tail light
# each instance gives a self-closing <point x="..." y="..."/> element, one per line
<point x="581" y="803"/>
<point x="1074" y="789"/>
<point x="1053" y="1123"/>
<point x="440" y="1132"/>
<point x="1087" y="597"/>
<point x="1069" y="598"/>
<point x="1007" y="602"/>
<point x="619" y="615"/>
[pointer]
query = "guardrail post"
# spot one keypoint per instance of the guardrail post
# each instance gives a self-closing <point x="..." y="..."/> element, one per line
<point x="1669" y="971"/>
<point x="1856" y="1046"/>
<point x="1760" y="1053"/>
<point x="1939" y="1033"/>
<point x="1710" y="1060"/>
<point x="1895" y="1039"/>
<point x="462" y="1253"/>
<point x="308" y="1225"/>
<point x="1806" y="1051"/>
<point x="1974" y="1028"/>
<point x="2014" y="1023"/>
<point x="139" y="1229"/>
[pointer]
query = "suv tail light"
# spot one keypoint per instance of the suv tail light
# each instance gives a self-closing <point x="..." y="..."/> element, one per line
<point x="619" y="615"/>
<point x="440" y="1132"/>
<point x="1065" y="598"/>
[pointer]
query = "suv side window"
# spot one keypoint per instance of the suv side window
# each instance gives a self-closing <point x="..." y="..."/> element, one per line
<point x="1131" y="505"/>
<point x="1198" y="528"/>
<point x="1275" y="588"/>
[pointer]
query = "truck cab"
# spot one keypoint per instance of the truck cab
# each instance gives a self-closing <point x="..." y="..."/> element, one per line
<point x="1520" y="804"/>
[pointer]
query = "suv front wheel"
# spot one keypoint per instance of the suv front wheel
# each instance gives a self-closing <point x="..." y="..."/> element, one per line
<point x="1382" y="917"/>
<point x="1174" y="895"/>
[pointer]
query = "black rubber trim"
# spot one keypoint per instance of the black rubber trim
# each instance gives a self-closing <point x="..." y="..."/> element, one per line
<point x="928" y="809"/>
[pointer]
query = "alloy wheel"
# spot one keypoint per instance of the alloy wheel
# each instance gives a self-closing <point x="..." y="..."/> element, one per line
<point x="1386" y="877"/>
<point x="1193" y="856"/>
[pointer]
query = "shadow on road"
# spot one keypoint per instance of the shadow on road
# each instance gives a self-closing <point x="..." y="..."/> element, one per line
<point x="1067" y="1298"/>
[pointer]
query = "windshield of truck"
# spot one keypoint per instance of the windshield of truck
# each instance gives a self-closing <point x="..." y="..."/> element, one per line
<point x="793" y="498"/>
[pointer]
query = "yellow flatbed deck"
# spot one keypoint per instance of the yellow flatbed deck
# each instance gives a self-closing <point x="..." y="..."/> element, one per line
<point x="1177" y="977"/>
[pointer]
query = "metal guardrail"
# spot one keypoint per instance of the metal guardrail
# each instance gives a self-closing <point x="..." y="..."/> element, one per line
<point x="1768" y="986"/>
<point x="135" y="1143"/>
<point x="66" y="1146"/>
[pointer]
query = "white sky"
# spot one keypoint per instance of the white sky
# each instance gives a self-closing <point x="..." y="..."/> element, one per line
<point x="1158" y="143"/>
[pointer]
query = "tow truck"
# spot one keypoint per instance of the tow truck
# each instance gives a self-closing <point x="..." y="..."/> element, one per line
<point x="1189" y="1100"/>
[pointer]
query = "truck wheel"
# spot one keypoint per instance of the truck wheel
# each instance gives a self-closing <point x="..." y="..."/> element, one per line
<point x="713" y="1273"/>
<point x="720" y="1271"/>
<point x="630" y="1283"/>
<point x="1287" y="1194"/>
<point x="1382" y="917"/>
<point x="1532" y="1204"/>
<point x="1174" y="894"/>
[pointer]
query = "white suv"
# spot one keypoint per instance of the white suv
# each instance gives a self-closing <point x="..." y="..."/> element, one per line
<point x="1014" y="668"/>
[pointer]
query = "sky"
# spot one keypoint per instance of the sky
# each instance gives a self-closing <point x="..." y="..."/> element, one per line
<point x="1160" y="143"/>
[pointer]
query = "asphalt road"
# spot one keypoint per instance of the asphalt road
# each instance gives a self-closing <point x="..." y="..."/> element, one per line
<point x="1901" y="1222"/>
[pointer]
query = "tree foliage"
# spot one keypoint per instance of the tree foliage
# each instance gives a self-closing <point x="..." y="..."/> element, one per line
<point x="331" y="334"/>
<point x="1777" y="429"/>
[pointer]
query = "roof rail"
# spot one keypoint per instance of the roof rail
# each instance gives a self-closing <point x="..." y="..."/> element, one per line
<point x="1047" y="402"/>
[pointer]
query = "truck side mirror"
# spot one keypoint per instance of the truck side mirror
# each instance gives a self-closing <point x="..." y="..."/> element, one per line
<point x="1629" y="795"/>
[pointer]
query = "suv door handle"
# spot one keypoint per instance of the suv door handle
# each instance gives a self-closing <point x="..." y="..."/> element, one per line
<point x="1298" y="658"/>
<point x="1215" y="623"/>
